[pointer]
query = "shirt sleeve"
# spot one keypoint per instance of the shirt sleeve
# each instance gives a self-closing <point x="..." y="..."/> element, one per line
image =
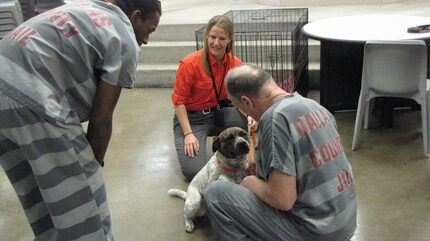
<point x="278" y="150"/>
<point x="183" y="83"/>
<point x="119" y="60"/>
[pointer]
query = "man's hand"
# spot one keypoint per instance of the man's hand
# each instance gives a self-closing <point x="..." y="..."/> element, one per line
<point x="279" y="191"/>
<point x="252" y="167"/>
<point x="102" y="163"/>
<point x="249" y="181"/>
<point x="252" y="124"/>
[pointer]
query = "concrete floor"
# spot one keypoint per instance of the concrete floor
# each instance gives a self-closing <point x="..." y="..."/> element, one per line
<point x="391" y="175"/>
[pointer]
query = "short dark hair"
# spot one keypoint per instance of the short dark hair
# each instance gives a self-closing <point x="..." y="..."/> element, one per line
<point x="147" y="7"/>
<point x="246" y="80"/>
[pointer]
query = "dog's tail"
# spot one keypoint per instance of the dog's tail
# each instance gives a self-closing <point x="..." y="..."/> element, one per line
<point x="177" y="193"/>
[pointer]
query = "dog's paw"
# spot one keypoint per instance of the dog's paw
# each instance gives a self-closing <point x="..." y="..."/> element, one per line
<point x="189" y="226"/>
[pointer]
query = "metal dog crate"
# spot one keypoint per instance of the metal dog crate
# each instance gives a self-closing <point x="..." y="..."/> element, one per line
<point x="273" y="40"/>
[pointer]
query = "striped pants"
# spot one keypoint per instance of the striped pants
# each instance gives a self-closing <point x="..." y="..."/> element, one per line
<point x="54" y="172"/>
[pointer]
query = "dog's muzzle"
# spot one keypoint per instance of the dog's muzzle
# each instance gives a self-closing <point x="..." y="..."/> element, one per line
<point x="241" y="146"/>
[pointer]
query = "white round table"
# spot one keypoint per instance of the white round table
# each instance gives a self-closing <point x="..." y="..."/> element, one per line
<point x="342" y="43"/>
<point x="366" y="27"/>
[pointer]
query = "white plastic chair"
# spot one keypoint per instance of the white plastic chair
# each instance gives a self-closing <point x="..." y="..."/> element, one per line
<point x="393" y="69"/>
<point x="10" y="16"/>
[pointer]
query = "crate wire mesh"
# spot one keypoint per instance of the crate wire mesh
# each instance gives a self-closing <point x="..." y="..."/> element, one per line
<point x="273" y="40"/>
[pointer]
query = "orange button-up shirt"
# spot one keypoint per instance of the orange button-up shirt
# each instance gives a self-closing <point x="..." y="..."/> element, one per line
<point x="193" y="86"/>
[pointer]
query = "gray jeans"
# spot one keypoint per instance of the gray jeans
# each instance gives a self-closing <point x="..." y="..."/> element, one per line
<point x="201" y="125"/>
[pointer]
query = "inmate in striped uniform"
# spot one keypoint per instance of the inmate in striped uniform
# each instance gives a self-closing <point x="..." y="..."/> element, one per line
<point x="298" y="137"/>
<point x="49" y="69"/>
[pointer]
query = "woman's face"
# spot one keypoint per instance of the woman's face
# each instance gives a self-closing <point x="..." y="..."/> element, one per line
<point x="218" y="40"/>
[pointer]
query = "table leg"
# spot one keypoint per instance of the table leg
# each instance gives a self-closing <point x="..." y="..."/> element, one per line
<point x="340" y="75"/>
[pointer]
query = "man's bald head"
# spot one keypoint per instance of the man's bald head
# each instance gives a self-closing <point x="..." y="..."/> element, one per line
<point x="246" y="80"/>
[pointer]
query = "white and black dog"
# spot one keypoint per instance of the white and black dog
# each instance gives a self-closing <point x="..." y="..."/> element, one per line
<point x="229" y="162"/>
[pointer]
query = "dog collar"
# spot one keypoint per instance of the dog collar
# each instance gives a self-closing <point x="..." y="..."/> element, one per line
<point x="227" y="169"/>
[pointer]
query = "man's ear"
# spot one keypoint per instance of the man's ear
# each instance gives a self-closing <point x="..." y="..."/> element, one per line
<point x="247" y="101"/>
<point x="215" y="144"/>
<point x="135" y="15"/>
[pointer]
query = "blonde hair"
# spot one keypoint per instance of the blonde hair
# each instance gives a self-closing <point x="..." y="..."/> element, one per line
<point x="227" y="25"/>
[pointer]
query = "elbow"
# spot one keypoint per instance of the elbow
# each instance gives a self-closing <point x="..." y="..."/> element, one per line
<point x="285" y="206"/>
<point x="285" y="203"/>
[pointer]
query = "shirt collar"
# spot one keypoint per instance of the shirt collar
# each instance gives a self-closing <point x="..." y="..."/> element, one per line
<point x="224" y="59"/>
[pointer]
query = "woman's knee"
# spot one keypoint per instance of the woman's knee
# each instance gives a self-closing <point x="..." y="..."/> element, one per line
<point x="189" y="169"/>
<point x="191" y="166"/>
<point x="189" y="175"/>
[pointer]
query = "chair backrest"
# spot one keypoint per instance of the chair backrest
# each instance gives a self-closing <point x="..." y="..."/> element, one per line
<point x="10" y="16"/>
<point x="395" y="68"/>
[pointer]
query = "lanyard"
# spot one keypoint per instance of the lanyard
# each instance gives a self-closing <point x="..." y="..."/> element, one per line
<point x="254" y="142"/>
<point x="217" y="94"/>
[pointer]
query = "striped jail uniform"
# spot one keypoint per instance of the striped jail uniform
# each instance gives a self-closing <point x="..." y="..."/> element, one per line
<point x="49" y="68"/>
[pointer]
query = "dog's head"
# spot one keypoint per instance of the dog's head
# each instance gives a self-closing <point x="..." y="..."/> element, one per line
<point x="232" y="143"/>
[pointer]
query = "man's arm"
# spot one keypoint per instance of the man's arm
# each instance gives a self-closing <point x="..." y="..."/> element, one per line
<point x="279" y="191"/>
<point x="100" y="123"/>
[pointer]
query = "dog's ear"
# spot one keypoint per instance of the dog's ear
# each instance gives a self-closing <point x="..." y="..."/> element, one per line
<point x="215" y="144"/>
